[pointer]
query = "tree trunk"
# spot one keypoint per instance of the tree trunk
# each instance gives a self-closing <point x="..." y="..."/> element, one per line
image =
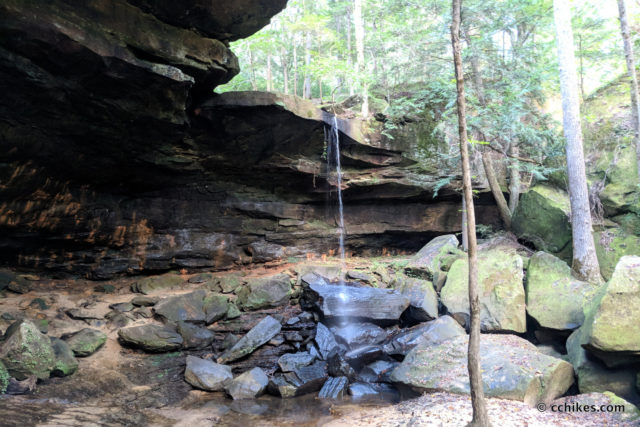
<point x="514" y="177"/>
<point x="306" y="90"/>
<point x="465" y="236"/>
<point x="254" y="84"/>
<point x="359" y="26"/>
<point x="295" y="69"/>
<point x="349" y="56"/>
<point x="269" y="75"/>
<point x="494" y="185"/>
<point x="480" y="415"/>
<point x="631" y="69"/>
<point x="585" y="263"/>
<point x="285" y="70"/>
<point x="320" y="89"/>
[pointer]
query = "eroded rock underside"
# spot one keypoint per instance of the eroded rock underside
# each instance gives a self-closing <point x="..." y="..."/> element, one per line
<point x="116" y="156"/>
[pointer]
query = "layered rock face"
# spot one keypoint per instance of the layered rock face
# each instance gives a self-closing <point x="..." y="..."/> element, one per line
<point x="116" y="157"/>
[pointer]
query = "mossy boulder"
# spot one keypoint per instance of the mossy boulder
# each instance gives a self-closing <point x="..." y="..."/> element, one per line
<point x="187" y="307"/>
<point x="594" y="376"/>
<point x="620" y="194"/>
<point x="542" y="218"/>
<point x="86" y="342"/>
<point x="427" y="262"/>
<point x="25" y="351"/>
<point x="611" y="245"/>
<point x="512" y="368"/>
<point x="611" y="324"/>
<point x="155" y="284"/>
<point x="262" y="292"/>
<point x="502" y="297"/>
<point x="66" y="363"/>
<point x="230" y="282"/>
<point x="423" y="300"/>
<point x="555" y="299"/>
<point x="215" y="307"/>
<point x="151" y="338"/>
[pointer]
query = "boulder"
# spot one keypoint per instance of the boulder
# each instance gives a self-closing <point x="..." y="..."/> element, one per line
<point x="611" y="323"/>
<point x="555" y="299"/>
<point x="260" y="334"/>
<point x="307" y="379"/>
<point x="66" y="363"/>
<point x="86" y="342"/>
<point x="360" y="390"/>
<point x="512" y="368"/>
<point x="363" y="355"/>
<point x="215" y="307"/>
<point x="144" y="301"/>
<point x="27" y="352"/>
<point x="358" y="334"/>
<point x="289" y="362"/>
<point x="154" y="284"/>
<point x="594" y="376"/>
<point x="262" y="292"/>
<point x="502" y="297"/>
<point x="230" y="282"/>
<point x="427" y="262"/>
<point x="380" y="306"/>
<point x="151" y="338"/>
<point x="327" y="344"/>
<point x="334" y="388"/>
<point x="432" y="333"/>
<point x="249" y="385"/>
<point x="187" y="307"/>
<point x="193" y="336"/>
<point x="423" y="300"/>
<point x="206" y="374"/>
<point x="542" y="218"/>
<point x="338" y="367"/>
<point x="378" y="371"/>
<point x="279" y="386"/>
<point x="611" y="245"/>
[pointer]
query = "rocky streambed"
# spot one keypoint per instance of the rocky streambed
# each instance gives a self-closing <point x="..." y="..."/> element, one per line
<point x="304" y="343"/>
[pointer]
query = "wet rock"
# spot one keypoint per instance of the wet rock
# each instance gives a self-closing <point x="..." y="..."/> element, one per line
<point x="144" y="301"/>
<point x="502" y="297"/>
<point x="555" y="299"/>
<point x="358" y="334"/>
<point x="363" y="355"/>
<point x="155" y="284"/>
<point x="338" y="367"/>
<point x="359" y="390"/>
<point x="423" y="300"/>
<point x="187" y="307"/>
<point x="25" y="351"/>
<point x="612" y="321"/>
<point x="25" y="386"/>
<point x="86" y="342"/>
<point x="249" y="407"/>
<point x="308" y="379"/>
<point x="279" y="386"/>
<point x="326" y="342"/>
<point x="215" y="307"/>
<point x="512" y="369"/>
<point x="380" y="306"/>
<point x="193" y="336"/>
<point x="151" y="338"/>
<point x="249" y="385"/>
<point x="262" y="292"/>
<point x="594" y="376"/>
<point x="66" y="363"/>
<point x="257" y="336"/>
<point x="434" y="332"/>
<point x="360" y="276"/>
<point x="427" y="262"/>
<point x="310" y="279"/>
<point x="206" y="374"/>
<point x="334" y="388"/>
<point x="291" y="361"/>
<point x="378" y="371"/>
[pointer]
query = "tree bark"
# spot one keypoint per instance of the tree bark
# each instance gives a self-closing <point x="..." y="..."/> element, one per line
<point x="295" y="69"/>
<point x="349" y="56"/>
<point x="269" y="74"/>
<point x="631" y="70"/>
<point x="359" y="27"/>
<point x="480" y="415"/>
<point x="494" y="185"/>
<point x="585" y="263"/>
<point x="465" y="236"/>
<point x="514" y="177"/>
<point x="254" y="84"/>
<point x="285" y="70"/>
<point x="306" y="90"/>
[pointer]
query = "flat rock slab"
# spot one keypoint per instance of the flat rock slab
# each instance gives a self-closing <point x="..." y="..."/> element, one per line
<point x="380" y="306"/>
<point x="151" y="338"/>
<point x="512" y="368"/>
<point x="363" y="355"/>
<point x="358" y="334"/>
<point x="249" y="385"/>
<point x="327" y="344"/>
<point x="188" y="307"/>
<point x="334" y="388"/>
<point x="257" y="336"/>
<point x="206" y="374"/>
<point x="262" y="292"/>
<point x="86" y="342"/>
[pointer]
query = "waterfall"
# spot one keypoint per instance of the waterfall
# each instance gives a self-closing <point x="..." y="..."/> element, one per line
<point x="333" y="158"/>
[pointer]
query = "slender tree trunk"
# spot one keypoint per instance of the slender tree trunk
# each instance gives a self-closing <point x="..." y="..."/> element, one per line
<point x="631" y="69"/>
<point x="320" y="89"/>
<point x="358" y="22"/>
<point x="514" y="177"/>
<point x="285" y="70"/>
<point x="254" y="84"/>
<point x="585" y="263"/>
<point x="349" y="60"/>
<point x="306" y="90"/>
<point x="581" y="67"/>
<point x="465" y="236"/>
<point x="269" y="74"/>
<point x="494" y="185"/>
<point x="480" y="415"/>
<point x="295" y="69"/>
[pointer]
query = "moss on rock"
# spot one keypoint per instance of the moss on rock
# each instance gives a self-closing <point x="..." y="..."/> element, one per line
<point x="611" y="245"/>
